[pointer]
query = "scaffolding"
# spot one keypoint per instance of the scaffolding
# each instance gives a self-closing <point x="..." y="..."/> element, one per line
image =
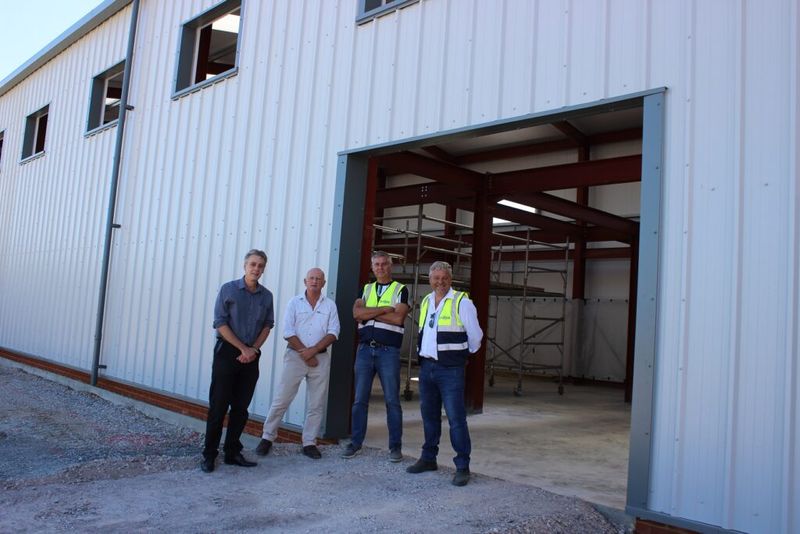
<point x="536" y="330"/>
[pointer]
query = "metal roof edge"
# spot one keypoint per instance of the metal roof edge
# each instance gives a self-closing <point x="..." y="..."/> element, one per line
<point x="92" y="20"/>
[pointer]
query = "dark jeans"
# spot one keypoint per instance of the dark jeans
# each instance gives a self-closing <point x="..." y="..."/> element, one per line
<point x="385" y="361"/>
<point x="232" y="385"/>
<point x="443" y="385"/>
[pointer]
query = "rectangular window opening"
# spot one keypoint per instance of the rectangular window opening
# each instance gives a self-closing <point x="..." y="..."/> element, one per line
<point x="35" y="133"/>
<point x="209" y="45"/>
<point x="2" y="135"/>
<point x="106" y="94"/>
<point x="370" y="9"/>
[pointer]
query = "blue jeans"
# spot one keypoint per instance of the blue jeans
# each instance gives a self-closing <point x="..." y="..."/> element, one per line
<point x="443" y="385"/>
<point x="386" y="362"/>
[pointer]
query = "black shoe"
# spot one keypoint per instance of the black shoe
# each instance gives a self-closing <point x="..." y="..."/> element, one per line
<point x="207" y="465"/>
<point x="312" y="452"/>
<point x="238" y="459"/>
<point x="461" y="477"/>
<point x="421" y="466"/>
<point x="264" y="447"/>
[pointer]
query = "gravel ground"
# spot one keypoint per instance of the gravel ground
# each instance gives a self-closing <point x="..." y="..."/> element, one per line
<point x="71" y="461"/>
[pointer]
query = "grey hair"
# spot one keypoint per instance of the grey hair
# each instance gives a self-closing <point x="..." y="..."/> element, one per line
<point x="441" y="266"/>
<point x="380" y="254"/>
<point x="255" y="252"/>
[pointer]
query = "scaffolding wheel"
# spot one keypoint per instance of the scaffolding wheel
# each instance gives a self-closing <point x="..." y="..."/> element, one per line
<point x="408" y="394"/>
<point x="491" y="381"/>
<point x="518" y="392"/>
<point x="560" y="389"/>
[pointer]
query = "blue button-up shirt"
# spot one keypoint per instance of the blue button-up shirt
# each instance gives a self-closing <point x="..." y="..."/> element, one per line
<point x="244" y="312"/>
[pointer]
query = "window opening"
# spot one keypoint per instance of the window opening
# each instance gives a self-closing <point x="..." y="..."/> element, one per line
<point x="209" y="45"/>
<point x="105" y="97"/>
<point x="35" y="132"/>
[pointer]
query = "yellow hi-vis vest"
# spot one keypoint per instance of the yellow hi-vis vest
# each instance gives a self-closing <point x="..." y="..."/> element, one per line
<point x="383" y="333"/>
<point x="452" y="348"/>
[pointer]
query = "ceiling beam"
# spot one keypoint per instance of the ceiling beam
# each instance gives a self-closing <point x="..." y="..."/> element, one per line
<point x="440" y="153"/>
<point x="577" y="136"/>
<point x="411" y="163"/>
<point x="581" y="174"/>
<point x="426" y="193"/>
<point x="527" y="218"/>
<point x="579" y="212"/>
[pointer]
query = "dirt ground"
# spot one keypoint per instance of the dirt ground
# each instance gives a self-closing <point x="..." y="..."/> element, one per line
<point x="72" y="461"/>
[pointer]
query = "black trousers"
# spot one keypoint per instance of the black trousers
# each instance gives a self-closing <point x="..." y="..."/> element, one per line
<point x="232" y="385"/>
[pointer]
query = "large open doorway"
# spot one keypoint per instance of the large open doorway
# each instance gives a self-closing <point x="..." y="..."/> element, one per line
<point x="541" y="218"/>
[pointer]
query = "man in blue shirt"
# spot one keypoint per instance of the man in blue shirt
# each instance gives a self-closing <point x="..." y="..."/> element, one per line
<point x="243" y="317"/>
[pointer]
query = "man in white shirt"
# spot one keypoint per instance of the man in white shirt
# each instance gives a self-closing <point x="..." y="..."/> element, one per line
<point x="448" y="333"/>
<point x="310" y="325"/>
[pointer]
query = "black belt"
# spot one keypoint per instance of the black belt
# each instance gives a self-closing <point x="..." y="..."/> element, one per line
<point x="374" y="344"/>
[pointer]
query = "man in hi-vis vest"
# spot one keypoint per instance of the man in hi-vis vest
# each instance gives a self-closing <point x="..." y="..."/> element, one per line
<point x="380" y="310"/>
<point x="448" y="333"/>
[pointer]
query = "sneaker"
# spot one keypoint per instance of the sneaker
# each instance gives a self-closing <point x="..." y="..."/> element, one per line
<point x="264" y="447"/>
<point x="312" y="452"/>
<point x="350" y="451"/>
<point x="420" y="466"/>
<point x="461" y="477"/>
<point x="395" y="455"/>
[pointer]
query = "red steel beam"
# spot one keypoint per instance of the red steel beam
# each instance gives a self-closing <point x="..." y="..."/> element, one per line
<point x="440" y="153"/>
<point x="411" y="163"/>
<point x="590" y="173"/>
<point x="427" y="193"/>
<point x="577" y="211"/>
<point x="568" y="129"/>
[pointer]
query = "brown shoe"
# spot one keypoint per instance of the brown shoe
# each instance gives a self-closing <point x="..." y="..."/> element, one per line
<point x="264" y="447"/>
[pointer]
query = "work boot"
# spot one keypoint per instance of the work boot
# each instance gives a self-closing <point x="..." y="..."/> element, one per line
<point x="312" y="452"/>
<point x="421" y="466"/>
<point x="350" y="451"/>
<point x="461" y="477"/>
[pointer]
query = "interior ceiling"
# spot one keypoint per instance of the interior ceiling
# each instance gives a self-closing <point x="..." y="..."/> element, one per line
<point x="588" y="125"/>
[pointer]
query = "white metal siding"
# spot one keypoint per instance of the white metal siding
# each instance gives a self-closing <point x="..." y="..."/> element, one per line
<point x="52" y="208"/>
<point x="251" y="162"/>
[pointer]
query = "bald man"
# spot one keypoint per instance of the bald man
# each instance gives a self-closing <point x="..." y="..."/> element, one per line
<point x="310" y="325"/>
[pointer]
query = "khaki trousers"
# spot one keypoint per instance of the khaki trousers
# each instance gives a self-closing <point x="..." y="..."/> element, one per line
<point x="317" y="378"/>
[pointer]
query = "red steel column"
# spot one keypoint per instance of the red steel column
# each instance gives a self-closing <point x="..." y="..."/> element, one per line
<point x="369" y="217"/>
<point x="479" y="293"/>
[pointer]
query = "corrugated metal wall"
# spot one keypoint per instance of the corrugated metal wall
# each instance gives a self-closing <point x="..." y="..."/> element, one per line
<point x="251" y="162"/>
<point x="52" y="208"/>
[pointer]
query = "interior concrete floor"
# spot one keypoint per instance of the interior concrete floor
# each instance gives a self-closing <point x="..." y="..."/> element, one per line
<point x="575" y="444"/>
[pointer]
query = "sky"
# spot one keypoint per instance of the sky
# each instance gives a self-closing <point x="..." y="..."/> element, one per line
<point x="27" y="26"/>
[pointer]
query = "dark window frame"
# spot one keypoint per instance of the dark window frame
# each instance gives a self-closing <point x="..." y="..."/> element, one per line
<point x="97" y="96"/>
<point x="2" y="140"/>
<point x="365" y="15"/>
<point x="35" y="139"/>
<point x="192" y="36"/>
